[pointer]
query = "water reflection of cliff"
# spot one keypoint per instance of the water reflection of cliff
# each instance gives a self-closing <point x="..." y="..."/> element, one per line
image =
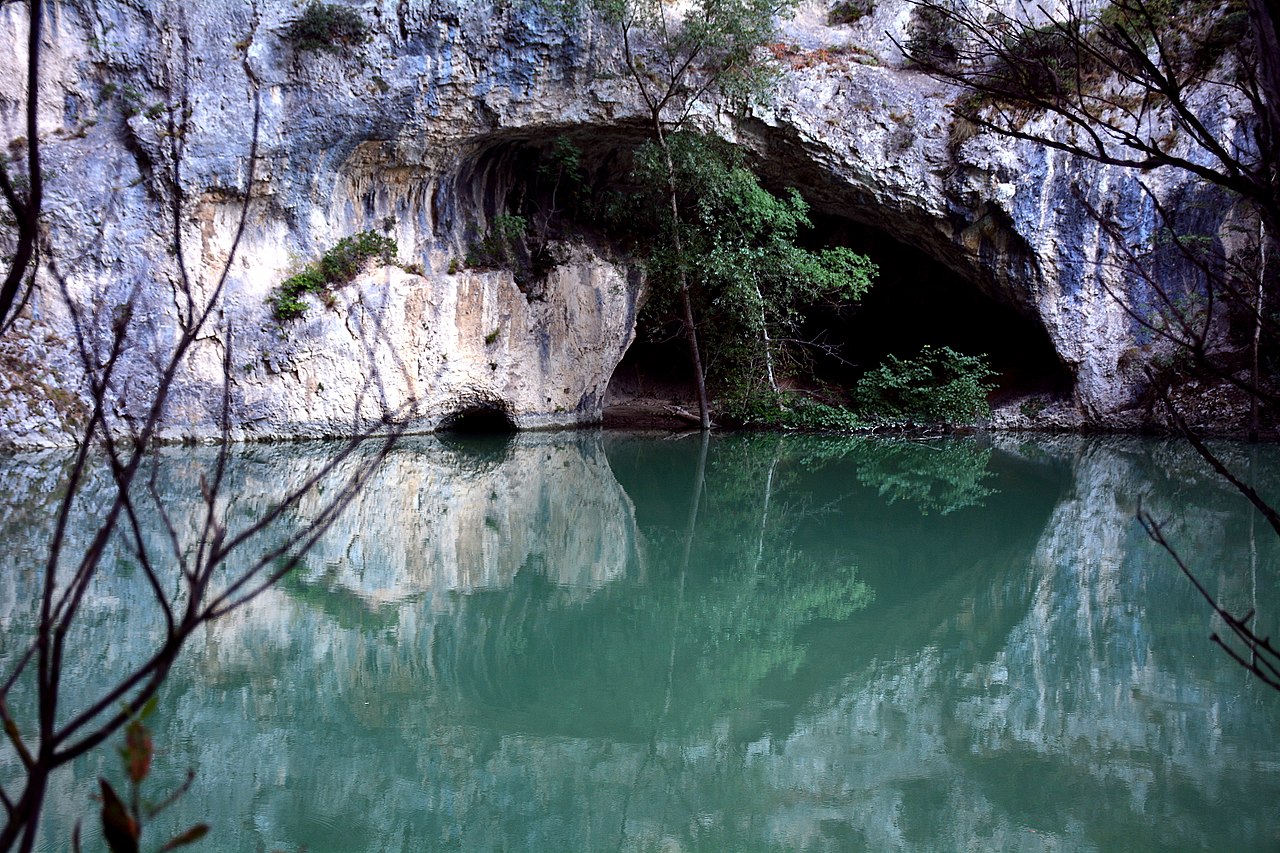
<point x="460" y="517"/>
<point x="828" y="668"/>
<point x="1096" y="716"/>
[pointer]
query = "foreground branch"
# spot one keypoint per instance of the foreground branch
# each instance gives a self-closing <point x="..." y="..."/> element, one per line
<point x="1259" y="656"/>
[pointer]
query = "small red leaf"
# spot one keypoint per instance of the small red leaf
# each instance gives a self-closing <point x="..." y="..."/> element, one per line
<point x="195" y="833"/>
<point x="137" y="752"/>
<point x="119" y="828"/>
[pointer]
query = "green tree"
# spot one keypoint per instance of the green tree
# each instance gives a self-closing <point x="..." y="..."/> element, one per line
<point x="936" y="386"/>
<point x="729" y="253"/>
<point x="678" y="58"/>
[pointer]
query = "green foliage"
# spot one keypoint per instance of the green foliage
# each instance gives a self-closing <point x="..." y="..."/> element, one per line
<point x="713" y="39"/>
<point x="1072" y="54"/>
<point x="936" y="37"/>
<point x="788" y="410"/>
<point x="560" y="187"/>
<point x="1228" y="29"/>
<point x="1192" y="35"/>
<point x="676" y="56"/>
<point x="749" y="277"/>
<point x="563" y="164"/>
<point x="938" y="386"/>
<point x="1044" y="60"/>
<point x="1133" y="19"/>
<point x="130" y="101"/>
<point x="336" y="267"/>
<point x="340" y="264"/>
<point x="502" y="246"/>
<point x="543" y="211"/>
<point x="850" y="11"/>
<point x="328" y="27"/>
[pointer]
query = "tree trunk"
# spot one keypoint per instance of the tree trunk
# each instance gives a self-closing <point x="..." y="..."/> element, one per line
<point x="1256" y="373"/>
<point x="768" y="344"/>
<point x="686" y="302"/>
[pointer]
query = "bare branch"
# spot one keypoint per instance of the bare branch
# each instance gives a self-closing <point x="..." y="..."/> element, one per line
<point x="26" y="211"/>
<point x="1264" y="658"/>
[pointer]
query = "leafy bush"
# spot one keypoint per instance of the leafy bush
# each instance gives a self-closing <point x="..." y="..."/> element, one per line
<point x="788" y="410"/>
<point x="336" y="267"/>
<point x="850" y="11"/>
<point x="1041" y="60"/>
<point x="340" y="264"/>
<point x="939" y="385"/>
<point x="936" y="37"/>
<point x="502" y="246"/>
<point x="328" y="27"/>
<point x="1194" y="35"/>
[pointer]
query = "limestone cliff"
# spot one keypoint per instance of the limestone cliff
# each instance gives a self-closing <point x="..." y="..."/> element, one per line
<point x="419" y="131"/>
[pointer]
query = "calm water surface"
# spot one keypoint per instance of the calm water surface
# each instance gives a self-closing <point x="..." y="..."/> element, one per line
<point x="596" y="641"/>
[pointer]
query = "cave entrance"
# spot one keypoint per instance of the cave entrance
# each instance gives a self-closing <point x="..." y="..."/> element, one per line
<point x="917" y="300"/>
<point x="478" y="419"/>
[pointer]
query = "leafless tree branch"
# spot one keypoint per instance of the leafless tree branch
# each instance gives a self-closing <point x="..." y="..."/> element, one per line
<point x="211" y="579"/>
<point x="1133" y="86"/>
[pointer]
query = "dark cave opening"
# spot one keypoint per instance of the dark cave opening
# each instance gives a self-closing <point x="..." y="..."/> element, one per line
<point x="917" y="299"/>
<point x="556" y="180"/>
<point x="479" y="419"/>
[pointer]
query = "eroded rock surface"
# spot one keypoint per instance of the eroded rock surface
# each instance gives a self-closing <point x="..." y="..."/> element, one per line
<point x="413" y="133"/>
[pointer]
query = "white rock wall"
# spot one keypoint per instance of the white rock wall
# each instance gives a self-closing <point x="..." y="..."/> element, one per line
<point x="400" y="127"/>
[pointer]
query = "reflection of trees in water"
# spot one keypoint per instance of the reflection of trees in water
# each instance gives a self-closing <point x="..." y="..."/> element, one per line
<point x="601" y="667"/>
<point x="940" y="475"/>
<point x="1027" y="670"/>
<point x="726" y="596"/>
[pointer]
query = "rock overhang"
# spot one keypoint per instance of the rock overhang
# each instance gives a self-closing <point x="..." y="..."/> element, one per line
<point x="428" y="123"/>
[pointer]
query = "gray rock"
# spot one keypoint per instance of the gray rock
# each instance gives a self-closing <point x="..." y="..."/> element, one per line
<point x="418" y="124"/>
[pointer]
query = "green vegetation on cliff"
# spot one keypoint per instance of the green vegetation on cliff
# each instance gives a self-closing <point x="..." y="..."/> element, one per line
<point x="336" y="267"/>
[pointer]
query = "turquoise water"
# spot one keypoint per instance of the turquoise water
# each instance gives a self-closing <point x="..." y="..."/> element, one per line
<point x="588" y="641"/>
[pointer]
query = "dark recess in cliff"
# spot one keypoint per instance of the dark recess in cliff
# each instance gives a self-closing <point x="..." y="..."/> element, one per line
<point x="918" y="300"/>
<point x="479" y="418"/>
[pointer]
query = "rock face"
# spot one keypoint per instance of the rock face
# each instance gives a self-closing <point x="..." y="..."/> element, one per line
<point x="418" y="132"/>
